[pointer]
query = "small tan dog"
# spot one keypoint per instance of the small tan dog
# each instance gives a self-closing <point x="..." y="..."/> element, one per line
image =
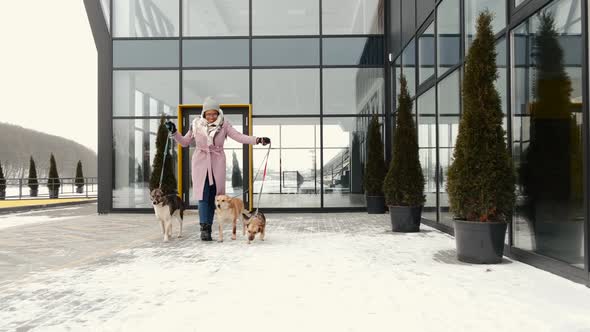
<point x="228" y="210"/>
<point x="256" y="223"/>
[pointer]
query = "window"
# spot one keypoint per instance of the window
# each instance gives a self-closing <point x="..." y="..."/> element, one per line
<point x="352" y="17"/>
<point x="145" y="18"/>
<point x="426" y="54"/>
<point x="353" y="91"/>
<point x="215" y="18"/>
<point x="285" y="91"/>
<point x="448" y="49"/>
<point x="285" y="17"/>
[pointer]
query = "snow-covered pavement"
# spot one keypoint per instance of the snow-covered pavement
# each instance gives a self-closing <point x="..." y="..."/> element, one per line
<point x="314" y="272"/>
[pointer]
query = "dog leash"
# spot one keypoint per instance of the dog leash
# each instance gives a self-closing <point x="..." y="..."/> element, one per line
<point x="265" y="162"/>
<point x="168" y="137"/>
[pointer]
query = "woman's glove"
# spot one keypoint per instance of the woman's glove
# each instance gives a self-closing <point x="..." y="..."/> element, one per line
<point x="171" y="126"/>
<point x="263" y="140"/>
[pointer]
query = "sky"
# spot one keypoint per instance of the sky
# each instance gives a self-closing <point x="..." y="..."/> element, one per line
<point x="48" y="79"/>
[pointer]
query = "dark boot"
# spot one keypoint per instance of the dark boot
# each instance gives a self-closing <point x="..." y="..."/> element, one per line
<point x="206" y="232"/>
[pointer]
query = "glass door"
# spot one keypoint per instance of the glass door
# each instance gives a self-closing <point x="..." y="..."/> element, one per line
<point x="236" y="156"/>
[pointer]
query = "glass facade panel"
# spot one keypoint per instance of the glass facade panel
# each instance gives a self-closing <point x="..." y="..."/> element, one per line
<point x="345" y="141"/>
<point x="215" y="18"/>
<point x="353" y="51"/>
<point x="409" y="66"/>
<point x="286" y="52"/>
<point x="472" y="10"/>
<point x="547" y="133"/>
<point x="285" y="91"/>
<point x="448" y="35"/>
<point x="502" y="81"/>
<point x="134" y="148"/>
<point x="144" y="92"/>
<point x="230" y="86"/>
<point x="145" y="18"/>
<point x="145" y="53"/>
<point x="449" y="112"/>
<point x="285" y="17"/>
<point x="293" y="174"/>
<point x="353" y="91"/>
<point x="427" y="149"/>
<point x="344" y="17"/>
<point x="106" y="11"/>
<point x="426" y="54"/>
<point x="216" y="53"/>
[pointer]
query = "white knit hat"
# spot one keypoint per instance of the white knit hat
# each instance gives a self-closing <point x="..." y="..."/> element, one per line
<point x="210" y="104"/>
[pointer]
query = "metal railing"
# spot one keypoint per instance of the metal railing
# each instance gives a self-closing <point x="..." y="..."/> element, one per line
<point x="18" y="188"/>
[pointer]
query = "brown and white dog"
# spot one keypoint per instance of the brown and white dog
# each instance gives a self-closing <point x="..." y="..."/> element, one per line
<point x="228" y="209"/>
<point x="256" y="223"/>
<point x="167" y="208"/>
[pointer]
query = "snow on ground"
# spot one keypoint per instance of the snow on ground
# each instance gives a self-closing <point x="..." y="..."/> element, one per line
<point x="34" y="217"/>
<point x="324" y="272"/>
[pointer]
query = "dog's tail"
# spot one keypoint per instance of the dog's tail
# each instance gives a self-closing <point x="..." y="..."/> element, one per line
<point x="246" y="214"/>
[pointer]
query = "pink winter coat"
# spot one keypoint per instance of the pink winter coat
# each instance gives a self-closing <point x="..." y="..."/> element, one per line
<point x="210" y="159"/>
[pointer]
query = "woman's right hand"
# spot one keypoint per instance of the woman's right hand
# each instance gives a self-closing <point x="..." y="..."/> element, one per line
<point x="171" y="126"/>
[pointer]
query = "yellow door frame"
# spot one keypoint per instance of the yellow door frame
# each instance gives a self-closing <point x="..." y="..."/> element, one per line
<point x="182" y="108"/>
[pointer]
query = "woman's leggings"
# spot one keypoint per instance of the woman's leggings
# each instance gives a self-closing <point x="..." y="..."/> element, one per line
<point x="207" y="204"/>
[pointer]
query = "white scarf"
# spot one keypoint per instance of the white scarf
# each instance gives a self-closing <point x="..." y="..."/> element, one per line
<point x="208" y="129"/>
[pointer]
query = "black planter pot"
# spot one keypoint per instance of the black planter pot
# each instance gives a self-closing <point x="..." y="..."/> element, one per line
<point x="480" y="242"/>
<point x="2" y="195"/>
<point x="80" y="190"/>
<point x="405" y="219"/>
<point x="375" y="204"/>
<point x="53" y="193"/>
<point x="33" y="192"/>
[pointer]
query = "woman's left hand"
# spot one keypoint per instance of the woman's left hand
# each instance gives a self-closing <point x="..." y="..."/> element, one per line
<point x="263" y="140"/>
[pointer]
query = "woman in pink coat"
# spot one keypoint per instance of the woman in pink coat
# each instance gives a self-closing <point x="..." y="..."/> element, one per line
<point x="209" y="132"/>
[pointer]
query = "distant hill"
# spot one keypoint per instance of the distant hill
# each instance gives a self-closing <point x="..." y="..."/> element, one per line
<point x="18" y="144"/>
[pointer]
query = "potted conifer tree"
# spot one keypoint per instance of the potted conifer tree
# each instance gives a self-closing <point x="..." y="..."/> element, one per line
<point x="79" y="178"/>
<point x="168" y="180"/>
<point x="32" y="181"/>
<point x="53" y="182"/>
<point x="404" y="183"/>
<point x="375" y="169"/>
<point x="2" y="184"/>
<point x="480" y="180"/>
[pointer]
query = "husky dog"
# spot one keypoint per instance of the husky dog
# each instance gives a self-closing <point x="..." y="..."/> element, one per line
<point x="256" y="223"/>
<point x="167" y="208"/>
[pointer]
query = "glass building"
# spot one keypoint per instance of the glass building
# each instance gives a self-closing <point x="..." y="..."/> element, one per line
<point x="316" y="71"/>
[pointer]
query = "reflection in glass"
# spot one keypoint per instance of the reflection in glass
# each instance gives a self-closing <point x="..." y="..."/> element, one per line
<point x="472" y="10"/>
<point x="293" y="174"/>
<point x="345" y="141"/>
<point x="502" y="81"/>
<point x="145" y="18"/>
<point x="285" y="91"/>
<point x="145" y="53"/>
<point x="352" y="51"/>
<point x="449" y="111"/>
<point x="448" y="35"/>
<point x="215" y="18"/>
<point x="231" y="86"/>
<point x="409" y="66"/>
<point x="134" y="148"/>
<point x="215" y="53"/>
<point x="427" y="149"/>
<point x="547" y="133"/>
<point x="343" y="17"/>
<point x="106" y="10"/>
<point x="285" y="17"/>
<point x="426" y="53"/>
<point x="144" y="92"/>
<point x="286" y="52"/>
<point x="353" y="91"/>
